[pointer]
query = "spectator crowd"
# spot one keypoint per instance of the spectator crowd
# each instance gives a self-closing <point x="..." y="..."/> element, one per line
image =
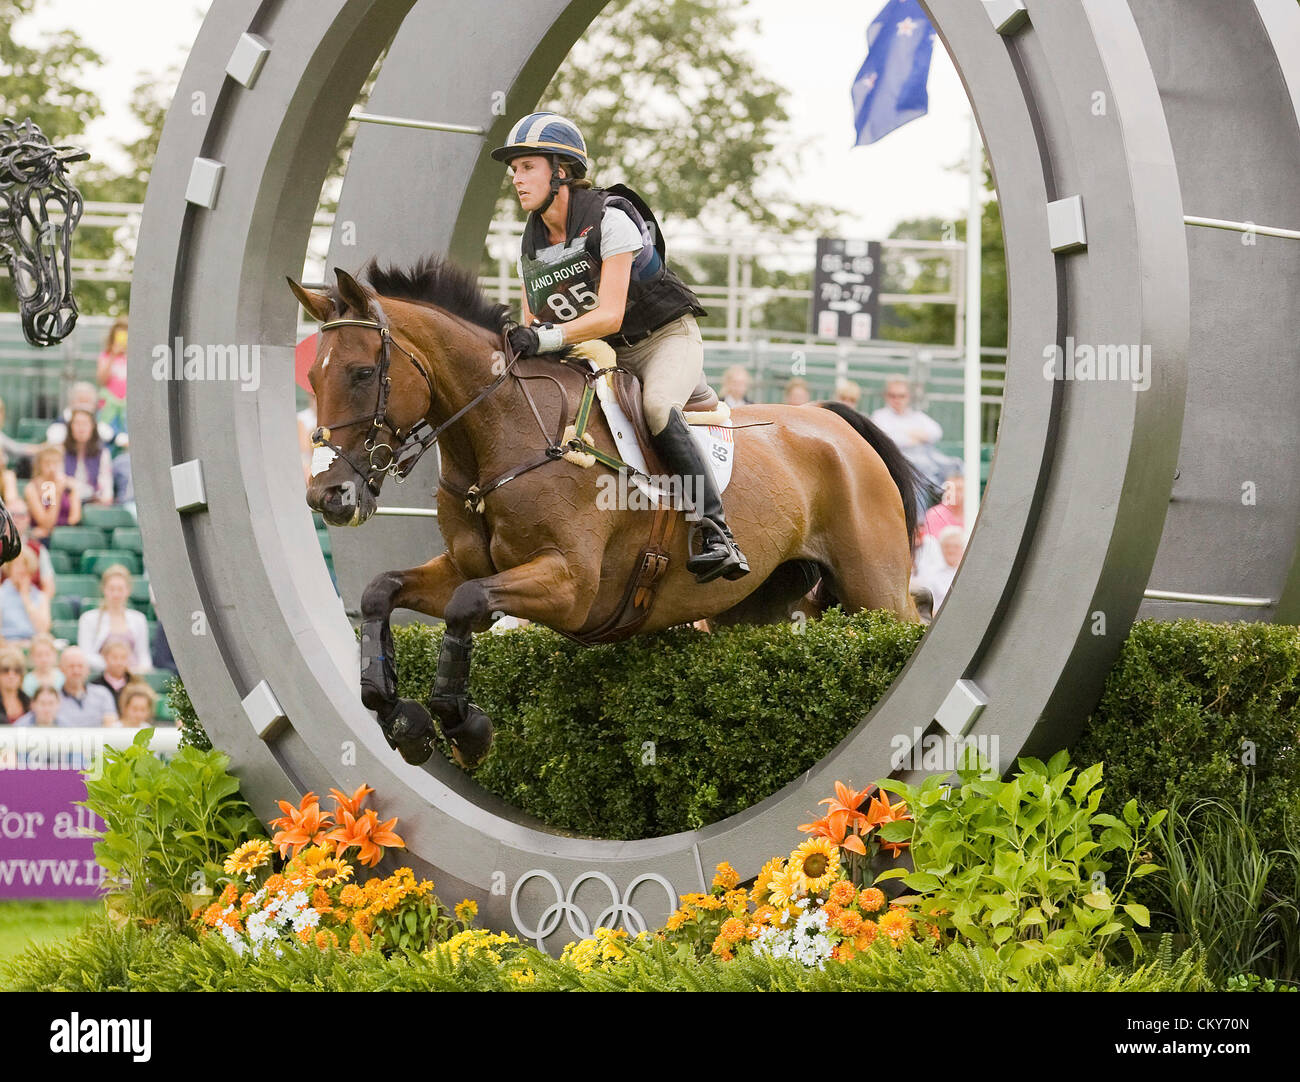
<point x="942" y="533"/>
<point x="100" y="677"/>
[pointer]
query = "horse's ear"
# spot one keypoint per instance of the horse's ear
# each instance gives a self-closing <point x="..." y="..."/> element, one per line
<point x="352" y="292"/>
<point x="318" y="305"/>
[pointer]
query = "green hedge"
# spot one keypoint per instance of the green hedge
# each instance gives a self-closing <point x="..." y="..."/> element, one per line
<point x="671" y="731"/>
<point x="729" y="718"/>
<point x="1184" y="704"/>
<point x="107" y="959"/>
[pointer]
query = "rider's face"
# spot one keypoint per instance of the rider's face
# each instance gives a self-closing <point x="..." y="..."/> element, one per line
<point x="531" y="176"/>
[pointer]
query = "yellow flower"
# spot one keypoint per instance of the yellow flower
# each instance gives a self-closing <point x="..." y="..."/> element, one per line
<point x="726" y="877"/>
<point x="312" y="855"/>
<point x="736" y="901"/>
<point x="785" y="887"/>
<point x="817" y="861"/>
<point x="328" y="872"/>
<point x="722" y="948"/>
<point x="896" y="926"/>
<point x="467" y="910"/>
<point x="248" y="857"/>
<point x="761" y="884"/>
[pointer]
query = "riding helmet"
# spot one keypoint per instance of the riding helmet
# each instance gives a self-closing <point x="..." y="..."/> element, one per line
<point x="546" y="133"/>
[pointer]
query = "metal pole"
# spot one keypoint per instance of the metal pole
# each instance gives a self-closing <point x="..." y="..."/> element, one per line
<point x="1209" y="599"/>
<point x="407" y="122"/>
<point x="1243" y="227"/>
<point x="408" y="512"/>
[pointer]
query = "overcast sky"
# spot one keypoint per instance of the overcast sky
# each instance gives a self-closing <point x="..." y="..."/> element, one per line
<point x="814" y="48"/>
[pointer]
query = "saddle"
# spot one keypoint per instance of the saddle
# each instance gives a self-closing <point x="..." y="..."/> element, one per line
<point x="703" y="404"/>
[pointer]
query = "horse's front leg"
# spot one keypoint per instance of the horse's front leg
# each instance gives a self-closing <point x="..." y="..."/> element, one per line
<point x="547" y="589"/>
<point x="428" y="588"/>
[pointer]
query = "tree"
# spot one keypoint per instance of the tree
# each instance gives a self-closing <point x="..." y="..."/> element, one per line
<point x="42" y="82"/>
<point x="670" y="106"/>
<point x="936" y="323"/>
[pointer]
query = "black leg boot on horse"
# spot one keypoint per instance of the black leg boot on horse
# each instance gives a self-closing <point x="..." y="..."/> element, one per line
<point x="719" y="556"/>
<point x="466" y="726"/>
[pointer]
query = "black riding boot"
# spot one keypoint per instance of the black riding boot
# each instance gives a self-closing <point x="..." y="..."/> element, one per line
<point x="719" y="555"/>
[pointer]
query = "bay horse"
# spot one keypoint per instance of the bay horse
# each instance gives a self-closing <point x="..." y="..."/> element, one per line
<point x="818" y="496"/>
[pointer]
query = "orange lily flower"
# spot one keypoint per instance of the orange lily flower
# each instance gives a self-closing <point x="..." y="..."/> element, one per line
<point x="368" y="834"/>
<point x="880" y="811"/>
<point x="301" y="826"/>
<point x="842" y="815"/>
<point x="352" y="803"/>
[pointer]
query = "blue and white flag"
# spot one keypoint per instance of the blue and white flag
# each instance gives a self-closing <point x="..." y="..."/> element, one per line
<point x="890" y="87"/>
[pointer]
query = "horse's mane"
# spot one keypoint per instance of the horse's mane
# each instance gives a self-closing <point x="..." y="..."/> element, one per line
<point x="433" y="281"/>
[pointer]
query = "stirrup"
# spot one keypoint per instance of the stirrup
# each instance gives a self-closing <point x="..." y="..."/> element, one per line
<point x="710" y="563"/>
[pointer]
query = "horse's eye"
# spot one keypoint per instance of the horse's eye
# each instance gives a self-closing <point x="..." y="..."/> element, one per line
<point x="362" y="375"/>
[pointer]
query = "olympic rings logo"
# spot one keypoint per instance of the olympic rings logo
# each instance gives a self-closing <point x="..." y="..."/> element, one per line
<point x="619" y="911"/>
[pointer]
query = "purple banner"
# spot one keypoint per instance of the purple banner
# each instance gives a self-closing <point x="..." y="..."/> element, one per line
<point x="45" y="850"/>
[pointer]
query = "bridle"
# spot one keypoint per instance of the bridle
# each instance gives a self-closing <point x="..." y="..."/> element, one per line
<point x="383" y="459"/>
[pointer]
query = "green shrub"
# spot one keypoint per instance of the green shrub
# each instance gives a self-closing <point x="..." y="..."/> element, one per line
<point x="168" y="825"/>
<point x="131" y="958"/>
<point x="1026" y="869"/>
<point x="666" y="732"/>
<point x="187" y="721"/>
<point x="1195" y="710"/>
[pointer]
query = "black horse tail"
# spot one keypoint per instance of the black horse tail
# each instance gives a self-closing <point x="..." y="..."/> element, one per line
<point x="910" y="481"/>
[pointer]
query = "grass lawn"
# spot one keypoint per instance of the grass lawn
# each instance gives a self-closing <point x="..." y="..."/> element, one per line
<point x="23" y="923"/>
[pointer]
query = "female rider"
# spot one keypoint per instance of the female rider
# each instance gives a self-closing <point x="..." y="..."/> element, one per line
<point x="591" y="268"/>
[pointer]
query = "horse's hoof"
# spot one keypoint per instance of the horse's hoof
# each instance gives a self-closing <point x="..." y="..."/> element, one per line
<point x="466" y="727"/>
<point x="410" y="730"/>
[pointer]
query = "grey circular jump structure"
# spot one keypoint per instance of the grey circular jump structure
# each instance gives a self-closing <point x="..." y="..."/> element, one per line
<point x="1109" y="125"/>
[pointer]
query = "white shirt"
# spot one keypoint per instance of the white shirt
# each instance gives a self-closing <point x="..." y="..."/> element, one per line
<point x="618" y="234"/>
<point x="93" y="629"/>
<point x="898" y="426"/>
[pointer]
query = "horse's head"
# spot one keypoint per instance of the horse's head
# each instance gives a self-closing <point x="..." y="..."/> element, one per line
<point x="36" y="249"/>
<point x="371" y="389"/>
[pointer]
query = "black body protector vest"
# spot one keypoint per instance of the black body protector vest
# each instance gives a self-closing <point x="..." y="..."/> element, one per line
<point x="566" y="284"/>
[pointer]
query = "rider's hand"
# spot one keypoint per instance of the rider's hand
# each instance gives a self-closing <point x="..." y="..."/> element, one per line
<point x="530" y="341"/>
<point x="523" y="341"/>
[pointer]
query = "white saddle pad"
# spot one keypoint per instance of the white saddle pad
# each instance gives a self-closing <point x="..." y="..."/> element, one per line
<point x="717" y="445"/>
